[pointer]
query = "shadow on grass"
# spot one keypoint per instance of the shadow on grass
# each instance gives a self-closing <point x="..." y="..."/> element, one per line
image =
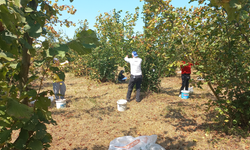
<point x="169" y="91"/>
<point x="96" y="147"/>
<point x="44" y="85"/>
<point x="201" y="96"/>
<point x="175" y="92"/>
<point x="176" y="142"/>
<point x="64" y="112"/>
<point x="180" y="103"/>
<point x="143" y="95"/>
<point x="109" y="110"/>
<point x="177" y="118"/>
<point x="95" y="112"/>
<point x="79" y="148"/>
<point x="182" y="122"/>
<point x="131" y="132"/>
<point x="71" y="99"/>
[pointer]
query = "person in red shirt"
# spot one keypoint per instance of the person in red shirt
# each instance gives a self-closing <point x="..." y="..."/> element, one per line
<point x="185" y="75"/>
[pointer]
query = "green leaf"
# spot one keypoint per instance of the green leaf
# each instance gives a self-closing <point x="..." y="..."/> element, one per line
<point x="40" y="126"/>
<point x="78" y="47"/>
<point x="3" y="73"/>
<point x="7" y="18"/>
<point x="40" y="131"/>
<point x="18" y="110"/>
<point x="58" y="72"/>
<point x="5" y="135"/>
<point x="244" y="14"/>
<point x="31" y="124"/>
<point x="201" y="66"/>
<point x="17" y="3"/>
<point x="17" y="125"/>
<point x="35" y="145"/>
<point x="45" y="44"/>
<point x="59" y="50"/>
<point x="25" y="43"/>
<point x="32" y="78"/>
<point x="43" y="103"/>
<point x="4" y="56"/>
<point x="40" y="134"/>
<point x="9" y="37"/>
<point x="24" y="2"/>
<point x="20" y="143"/>
<point x="47" y="138"/>
<point x="3" y="124"/>
<point x="33" y="28"/>
<point x="28" y="9"/>
<point x="32" y="93"/>
<point x="88" y="46"/>
<point x="38" y="63"/>
<point x="13" y="65"/>
<point x="32" y="52"/>
<point x="19" y="13"/>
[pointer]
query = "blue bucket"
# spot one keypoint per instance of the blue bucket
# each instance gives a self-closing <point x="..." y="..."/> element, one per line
<point x="184" y="94"/>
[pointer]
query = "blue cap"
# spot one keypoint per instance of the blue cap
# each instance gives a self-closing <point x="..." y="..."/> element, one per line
<point x="55" y="59"/>
<point x="134" y="53"/>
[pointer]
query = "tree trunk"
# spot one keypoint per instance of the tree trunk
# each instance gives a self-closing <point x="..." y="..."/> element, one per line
<point x="24" y="72"/>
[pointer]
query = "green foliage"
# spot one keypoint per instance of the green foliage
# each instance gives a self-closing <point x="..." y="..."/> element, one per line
<point x="21" y="64"/>
<point x="79" y="65"/>
<point x="151" y="81"/>
<point x="103" y="65"/>
<point x="114" y="36"/>
<point x="220" y="45"/>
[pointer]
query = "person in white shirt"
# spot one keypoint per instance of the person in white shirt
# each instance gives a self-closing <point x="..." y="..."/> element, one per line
<point x="136" y="75"/>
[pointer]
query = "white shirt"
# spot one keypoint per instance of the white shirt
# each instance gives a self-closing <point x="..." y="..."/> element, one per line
<point x="135" y="65"/>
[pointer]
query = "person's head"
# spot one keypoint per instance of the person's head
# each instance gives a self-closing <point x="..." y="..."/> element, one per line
<point x="56" y="61"/>
<point x="134" y="54"/>
<point x="122" y="71"/>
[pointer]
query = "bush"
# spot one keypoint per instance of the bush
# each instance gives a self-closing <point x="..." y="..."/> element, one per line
<point x="103" y="65"/>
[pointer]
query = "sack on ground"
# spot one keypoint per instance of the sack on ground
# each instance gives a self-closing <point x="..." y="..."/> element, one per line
<point x="138" y="143"/>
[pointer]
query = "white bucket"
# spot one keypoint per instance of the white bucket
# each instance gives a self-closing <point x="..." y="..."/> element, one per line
<point x="122" y="105"/>
<point x="51" y="98"/>
<point x="61" y="103"/>
<point x="191" y="90"/>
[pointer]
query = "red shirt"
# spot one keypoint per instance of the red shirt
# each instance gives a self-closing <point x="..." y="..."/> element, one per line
<point x="186" y="69"/>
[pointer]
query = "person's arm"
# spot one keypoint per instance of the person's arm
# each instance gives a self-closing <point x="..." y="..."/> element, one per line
<point x="66" y="62"/>
<point x="126" y="58"/>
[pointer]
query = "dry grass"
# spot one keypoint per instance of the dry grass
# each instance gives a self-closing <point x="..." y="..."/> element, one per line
<point x="91" y="120"/>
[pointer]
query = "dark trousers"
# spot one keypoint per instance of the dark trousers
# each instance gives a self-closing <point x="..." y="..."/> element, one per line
<point x="134" y="80"/>
<point x="185" y="81"/>
<point x="59" y="87"/>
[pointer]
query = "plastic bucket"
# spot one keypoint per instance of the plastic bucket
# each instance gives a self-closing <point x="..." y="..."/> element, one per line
<point x="61" y="103"/>
<point x="51" y="98"/>
<point x="191" y="90"/>
<point x="184" y="94"/>
<point x="122" y="105"/>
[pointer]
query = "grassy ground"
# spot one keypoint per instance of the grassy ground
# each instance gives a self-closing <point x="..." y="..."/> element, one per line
<point x="91" y="120"/>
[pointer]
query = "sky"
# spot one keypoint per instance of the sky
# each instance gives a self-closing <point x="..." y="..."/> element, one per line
<point x="90" y="9"/>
